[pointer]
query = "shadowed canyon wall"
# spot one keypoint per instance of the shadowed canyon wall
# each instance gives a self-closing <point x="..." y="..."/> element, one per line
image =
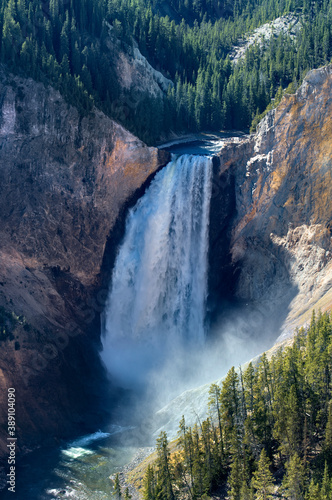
<point x="64" y="180"/>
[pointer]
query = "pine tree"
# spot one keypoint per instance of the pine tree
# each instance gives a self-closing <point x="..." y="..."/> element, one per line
<point x="206" y="439"/>
<point x="235" y="480"/>
<point x="293" y="428"/>
<point x="325" y="492"/>
<point x="262" y="480"/>
<point x="293" y="484"/>
<point x="230" y="403"/>
<point x="127" y="495"/>
<point x="214" y="406"/>
<point x="64" y="38"/>
<point x="328" y="430"/>
<point x="198" y="465"/>
<point x="164" y="470"/>
<point x="246" y="492"/>
<point x="11" y="34"/>
<point x="149" y="484"/>
<point x="117" y="488"/>
<point x="313" y="492"/>
<point x="186" y="442"/>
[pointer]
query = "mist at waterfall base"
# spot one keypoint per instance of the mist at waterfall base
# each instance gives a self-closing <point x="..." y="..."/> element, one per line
<point x="155" y="338"/>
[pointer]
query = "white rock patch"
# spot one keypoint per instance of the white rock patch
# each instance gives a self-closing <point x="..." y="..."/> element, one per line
<point x="8" y="118"/>
<point x="289" y="24"/>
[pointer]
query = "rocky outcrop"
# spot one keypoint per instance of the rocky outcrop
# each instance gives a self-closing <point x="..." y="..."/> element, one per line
<point x="140" y="87"/>
<point x="280" y="234"/>
<point x="64" y="181"/>
<point x="135" y="73"/>
<point x="287" y="25"/>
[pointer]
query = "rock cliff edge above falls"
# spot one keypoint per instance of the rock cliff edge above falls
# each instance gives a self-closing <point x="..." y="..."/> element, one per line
<point x="64" y="182"/>
<point x="280" y="234"/>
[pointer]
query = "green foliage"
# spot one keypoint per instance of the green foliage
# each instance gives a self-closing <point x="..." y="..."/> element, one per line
<point x="326" y="489"/>
<point x="117" y="494"/>
<point x="275" y="417"/>
<point x="294" y="482"/>
<point x="189" y="41"/>
<point x="328" y="430"/>
<point x="313" y="492"/>
<point x="262" y="480"/>
<point x="164" y="486"/>
<point x="127" y="495"/>
<point x="149" y="484"/>
<point x="235" y="480"/>
<point x="8" y="321"/>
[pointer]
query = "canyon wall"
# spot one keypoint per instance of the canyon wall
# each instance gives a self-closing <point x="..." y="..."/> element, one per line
<point x="280" y="232"/>
<point x="65" y="181"/>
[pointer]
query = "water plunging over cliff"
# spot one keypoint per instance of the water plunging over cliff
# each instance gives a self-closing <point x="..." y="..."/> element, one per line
<point x="156" y="304"/>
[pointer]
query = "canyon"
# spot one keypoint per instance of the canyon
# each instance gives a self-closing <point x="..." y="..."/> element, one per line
<point x="67" y="182"/>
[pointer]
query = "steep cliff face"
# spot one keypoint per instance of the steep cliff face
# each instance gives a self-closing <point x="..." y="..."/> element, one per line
<point x="280" y="235"/>
<point x="134" y="73"/>
<point x="64" y="180"/>
<point x="140" y="88"/>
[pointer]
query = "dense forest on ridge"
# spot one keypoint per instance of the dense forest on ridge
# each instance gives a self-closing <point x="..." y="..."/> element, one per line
<point x="269" y="434"/>
<point x="62" y="42"/>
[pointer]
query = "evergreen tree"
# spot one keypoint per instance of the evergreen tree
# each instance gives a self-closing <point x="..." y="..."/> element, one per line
<point x="313" y="492"/>
<point x="214" y="406"/>
<point x="235" y="480"/>
<point x="186" y="442"/>
<point x="230" y="404"/>
<point x="117" y="488"/>
<point x="149" y="484"/>
<point x="328" y="430"/>
<point x="326" y="491"/>
<point x="164" y="470"/>
<point x="246" y="492"/>
<point x="127" y="495"/>
<point x="293" y="484"/>
<point x="262" y="480"/>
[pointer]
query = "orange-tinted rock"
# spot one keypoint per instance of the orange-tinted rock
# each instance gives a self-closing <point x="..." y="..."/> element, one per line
<point x="281" y="235"/>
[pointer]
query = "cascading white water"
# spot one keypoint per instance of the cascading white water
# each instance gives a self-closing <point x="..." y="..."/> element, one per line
<point x="159" y="285"/>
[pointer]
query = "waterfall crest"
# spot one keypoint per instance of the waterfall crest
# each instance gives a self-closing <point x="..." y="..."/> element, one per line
<point x="159" y="285"/>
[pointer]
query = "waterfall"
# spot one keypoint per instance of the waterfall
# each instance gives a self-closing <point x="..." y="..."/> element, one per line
<point x="157" y="299"/>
